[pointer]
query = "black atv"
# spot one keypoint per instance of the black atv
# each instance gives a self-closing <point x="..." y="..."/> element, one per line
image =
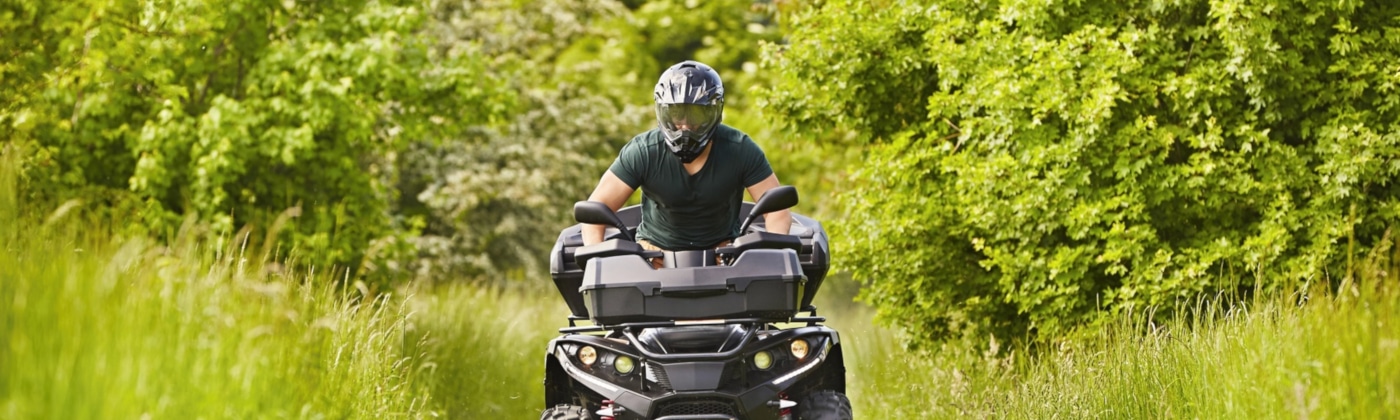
<point x="714" y="334"/>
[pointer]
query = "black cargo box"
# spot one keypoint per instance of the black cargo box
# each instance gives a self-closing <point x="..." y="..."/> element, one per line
<point x="568" y="276"/>
<point x="762" y="283"/>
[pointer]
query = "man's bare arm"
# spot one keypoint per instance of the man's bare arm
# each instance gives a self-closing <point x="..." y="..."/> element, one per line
<point x="612" y="192"/>
<point x="779" y="221"/>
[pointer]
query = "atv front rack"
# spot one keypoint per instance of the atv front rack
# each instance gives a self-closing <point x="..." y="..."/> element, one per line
<point x="574" y="328"/>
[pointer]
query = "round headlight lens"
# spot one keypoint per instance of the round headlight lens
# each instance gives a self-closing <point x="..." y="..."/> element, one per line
<point x="799" y="349"/>
<point x="762" y="360"/>
<point x="624" y="365"/>
<point x="587" y="355"/>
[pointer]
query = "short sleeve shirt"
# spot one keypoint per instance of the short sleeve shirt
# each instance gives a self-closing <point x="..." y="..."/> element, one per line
<point x="684" y="211"/>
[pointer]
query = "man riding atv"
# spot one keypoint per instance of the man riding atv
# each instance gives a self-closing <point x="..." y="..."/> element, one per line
<point x="693" y="309"/>
<point x="692" y="169"/>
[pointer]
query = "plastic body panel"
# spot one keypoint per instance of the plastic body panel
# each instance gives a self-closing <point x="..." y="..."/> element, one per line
<point x="762" y="283"/>
<point x="568" y="276"/>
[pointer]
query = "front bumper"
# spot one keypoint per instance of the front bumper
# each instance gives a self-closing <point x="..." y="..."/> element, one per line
<point x="692" y="386"/>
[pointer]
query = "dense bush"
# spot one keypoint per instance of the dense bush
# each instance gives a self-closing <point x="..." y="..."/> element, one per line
<point x="1032" y="160"/>
<point x="242" y="112"/>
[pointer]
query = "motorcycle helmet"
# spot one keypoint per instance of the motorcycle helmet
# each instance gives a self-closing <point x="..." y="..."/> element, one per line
<point x="689" y="107"/>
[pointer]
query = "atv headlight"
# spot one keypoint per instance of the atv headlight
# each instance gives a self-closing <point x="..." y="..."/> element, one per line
<point x="799" y="348"/>
<point x="587" y="355"/>
<point x="763" y="360"/>
<point x="624" y="365"/>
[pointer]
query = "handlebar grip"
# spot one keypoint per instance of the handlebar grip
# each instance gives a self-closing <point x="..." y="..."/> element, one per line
<point x="695" y="293"/>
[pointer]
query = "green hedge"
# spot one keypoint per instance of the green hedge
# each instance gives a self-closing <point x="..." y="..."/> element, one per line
<point x="1031" y="161"/>
<point x="241" y="113"/>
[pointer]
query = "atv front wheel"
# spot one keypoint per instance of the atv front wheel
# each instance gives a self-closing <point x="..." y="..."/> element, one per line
<point x="570" y="412"/>
<point x="824" y="405"/>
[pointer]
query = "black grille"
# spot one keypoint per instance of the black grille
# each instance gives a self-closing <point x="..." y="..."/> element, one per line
<point x="700" y="407"/>
<point x="657" y="374"/>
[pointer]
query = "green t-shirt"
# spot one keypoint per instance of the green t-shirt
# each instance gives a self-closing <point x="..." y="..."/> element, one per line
<point x="683" y="211"/>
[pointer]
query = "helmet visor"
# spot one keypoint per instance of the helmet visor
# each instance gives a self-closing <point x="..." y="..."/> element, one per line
<point x="689" y="120"/>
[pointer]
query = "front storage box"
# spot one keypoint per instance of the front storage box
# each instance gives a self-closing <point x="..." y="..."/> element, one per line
<point x="766" y="283"/>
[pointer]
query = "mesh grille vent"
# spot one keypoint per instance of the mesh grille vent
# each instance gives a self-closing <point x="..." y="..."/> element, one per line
<point x="700" y="407"/>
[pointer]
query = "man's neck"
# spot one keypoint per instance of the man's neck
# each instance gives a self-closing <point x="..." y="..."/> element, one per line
<point x="696" y="165"/>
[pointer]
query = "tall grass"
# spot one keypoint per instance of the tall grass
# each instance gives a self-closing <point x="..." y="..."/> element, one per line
<point x="97" y="326"/>
<point x="130" y="330"/>
<point x="93" y="325"/>
<point x="485" y="347"/>
<point x="1328" y="358"/>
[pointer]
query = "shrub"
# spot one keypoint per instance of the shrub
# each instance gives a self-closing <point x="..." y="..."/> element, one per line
<point x="1028" y="161"/>
<point x="242" y="112"/>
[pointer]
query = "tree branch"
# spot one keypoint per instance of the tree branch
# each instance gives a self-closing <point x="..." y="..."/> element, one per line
<point x="82" y="62"/>
<point x="219" y="51"/>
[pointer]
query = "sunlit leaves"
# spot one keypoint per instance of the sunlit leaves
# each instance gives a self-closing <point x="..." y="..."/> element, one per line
<point x="1031" y="161"/>
<point x="237" y="111"/>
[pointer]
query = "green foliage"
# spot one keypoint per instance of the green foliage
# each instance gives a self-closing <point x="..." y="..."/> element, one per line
<point x="1031" y="160"/>
<point x="494" y="199"/>
<point x="1331" y="358"/>
<point x="484" y="348"/>
<point x="243" y="112"/>
<point x="97" y="326"/>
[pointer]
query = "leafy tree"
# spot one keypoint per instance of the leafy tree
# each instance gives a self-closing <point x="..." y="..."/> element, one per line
<point x="1028" y="161"/>
<point x="242" y="112"/>
<point x="493" y="198"/>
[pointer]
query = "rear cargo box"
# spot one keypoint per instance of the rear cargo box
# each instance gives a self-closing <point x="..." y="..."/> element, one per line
<point x="762" y="283"/>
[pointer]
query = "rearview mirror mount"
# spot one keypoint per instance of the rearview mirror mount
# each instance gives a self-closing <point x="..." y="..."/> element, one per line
<point x="595" y="213"/>
<point x="777" y="198"/>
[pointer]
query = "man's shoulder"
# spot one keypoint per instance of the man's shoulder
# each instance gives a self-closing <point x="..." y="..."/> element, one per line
<point x="729" y="134"/>
<point x="652" y="136"/>
<point x="645" y="141"/>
